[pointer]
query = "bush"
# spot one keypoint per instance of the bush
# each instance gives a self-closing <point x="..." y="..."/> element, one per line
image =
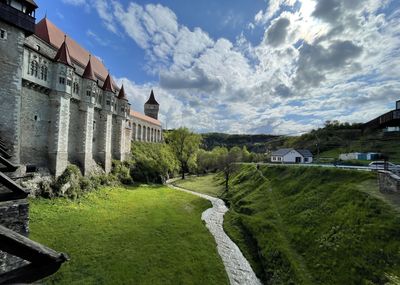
<point x="121" y="170"/>
<point x="152" y="163"/>
<point x="72" y="184"/>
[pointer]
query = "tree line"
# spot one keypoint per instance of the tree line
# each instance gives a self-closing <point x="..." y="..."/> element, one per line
<point x="181" y="153"/>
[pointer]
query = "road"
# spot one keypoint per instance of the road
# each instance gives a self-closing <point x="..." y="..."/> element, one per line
<point x="348" y="167"/>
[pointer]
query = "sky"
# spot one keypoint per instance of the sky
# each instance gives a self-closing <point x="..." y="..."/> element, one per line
<point x="244" y="66"/>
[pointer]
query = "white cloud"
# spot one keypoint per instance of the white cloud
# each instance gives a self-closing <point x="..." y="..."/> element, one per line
<point x="318" y="60"/>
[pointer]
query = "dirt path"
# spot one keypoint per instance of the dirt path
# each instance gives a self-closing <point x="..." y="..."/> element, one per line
<point x="236" y="265"/>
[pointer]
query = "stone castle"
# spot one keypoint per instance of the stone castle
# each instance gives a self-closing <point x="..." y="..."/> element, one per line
<point x="59" y="104"/>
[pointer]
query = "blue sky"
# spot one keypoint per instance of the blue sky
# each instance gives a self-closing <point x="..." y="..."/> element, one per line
<point x="241" y="66"/>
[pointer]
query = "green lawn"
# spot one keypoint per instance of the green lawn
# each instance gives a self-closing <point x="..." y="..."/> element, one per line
<point x="208" y="184"/>
<point x="142" y="235"/>
<point x="301" y="225"/>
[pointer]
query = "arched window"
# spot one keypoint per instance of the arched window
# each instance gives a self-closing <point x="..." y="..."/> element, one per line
<point x="34" y="68"/>
<point x="139" y="130"/>
<point x="43" y="72"/>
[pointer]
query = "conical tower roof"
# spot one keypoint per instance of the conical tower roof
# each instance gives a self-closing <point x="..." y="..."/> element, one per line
<point x="152" y="99"/>
<point x="107" y="86"/>
<point x="62" y="55"/>
<point x="121" y="94"/>
<point x="88" y="73"/>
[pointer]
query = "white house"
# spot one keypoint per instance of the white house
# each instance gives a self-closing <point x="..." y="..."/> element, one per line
<point x="290" y="155"/>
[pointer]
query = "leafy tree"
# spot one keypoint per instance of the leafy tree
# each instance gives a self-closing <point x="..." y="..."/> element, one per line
<point x="184" y="145"/>
<point x="153" y="162"/>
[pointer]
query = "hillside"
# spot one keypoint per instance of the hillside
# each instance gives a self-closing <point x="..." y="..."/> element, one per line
<point x="254" y="143"/>
<point x="333" y="140"/>
<point x="313" y="226"/>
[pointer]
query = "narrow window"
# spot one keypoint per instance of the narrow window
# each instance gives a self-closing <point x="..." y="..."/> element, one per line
<point x="34" y="68"/>
<point x="88" y="93"/>
<point x="61" y="80"/>
<point x="3" y="34"/>
<point x="108" y="102"/>
<point x="43" y="72"/>
<point x="76" y="88"/>
<point x="69" y="82"/>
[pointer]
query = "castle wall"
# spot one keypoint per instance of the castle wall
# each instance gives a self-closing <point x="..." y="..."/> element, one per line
<point x="74" y="133"/>
<point x="141" y="131"/>
<point x="11" y="59"/>
<point x="97" y="138"/>
<point x="49" y="122"/>
<point x="35" y="122"/>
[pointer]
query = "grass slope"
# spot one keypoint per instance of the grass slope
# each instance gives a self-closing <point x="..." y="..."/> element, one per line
<point x="209" y="184"/>
<point x="313" y="226"/>
<point x="145" y="235"/>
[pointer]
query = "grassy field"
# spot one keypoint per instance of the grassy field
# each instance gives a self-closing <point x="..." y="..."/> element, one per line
<point x="143" y="235"/>
<point x="208" y="184"/>
<point x="314" y="226"/>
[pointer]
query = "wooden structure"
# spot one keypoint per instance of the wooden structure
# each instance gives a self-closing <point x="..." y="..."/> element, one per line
<point x="35" y="261"/>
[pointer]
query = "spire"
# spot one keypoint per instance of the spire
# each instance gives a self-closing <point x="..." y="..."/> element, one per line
<point x="152" y="99"/>
<point x="121" y="94"/>
<point x="107" y="86"/>
<point x="62" y="55"/>
<point x="88" y="73"/>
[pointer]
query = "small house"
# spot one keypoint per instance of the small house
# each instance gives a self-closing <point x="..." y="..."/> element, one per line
<point x="291" y="155"/>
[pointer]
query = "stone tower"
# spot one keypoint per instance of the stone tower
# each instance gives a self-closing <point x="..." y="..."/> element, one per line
<point x="17" y="20"/>
<point x="151" y="107"/>
<point x="60" y="99"/>
<point x="105" y="138"/>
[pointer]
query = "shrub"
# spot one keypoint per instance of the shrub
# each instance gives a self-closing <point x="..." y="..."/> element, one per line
<point x="121" y="170"/>
<point x="72" y="184"/>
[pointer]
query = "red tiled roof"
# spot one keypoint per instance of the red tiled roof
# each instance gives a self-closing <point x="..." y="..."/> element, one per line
<point x="145" y="118"/>
<point x="62" y="55"/>
<point x="121" y="94"/>
<point x="152" y="99"/>
<point x="51" y="34"/>
<point x="107" y="84"/>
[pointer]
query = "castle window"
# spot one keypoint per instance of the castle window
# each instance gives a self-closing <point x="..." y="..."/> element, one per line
<point x="76" y="88"/>
<point x="3" y="34"/>
<point x="34" y="68"/>
<point x="108" y="102"/>
<point x="88" y="93"/>
<point x="61" y="80"/>
<point x="69" y="82"/>
<point x="43" y="72"/>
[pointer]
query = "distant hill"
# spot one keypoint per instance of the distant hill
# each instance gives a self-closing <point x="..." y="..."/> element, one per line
<point x="336" y="138"/>
<point x="254" y="143"/>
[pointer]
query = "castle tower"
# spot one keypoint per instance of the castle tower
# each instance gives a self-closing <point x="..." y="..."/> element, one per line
<point x="86" y="118"/>
<point x="105" y="138"/>
<point x="16" y="22"/>
<point x="151" y="107"/>
<point x="123" y="134"/>
<point x="60" y="111"/>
